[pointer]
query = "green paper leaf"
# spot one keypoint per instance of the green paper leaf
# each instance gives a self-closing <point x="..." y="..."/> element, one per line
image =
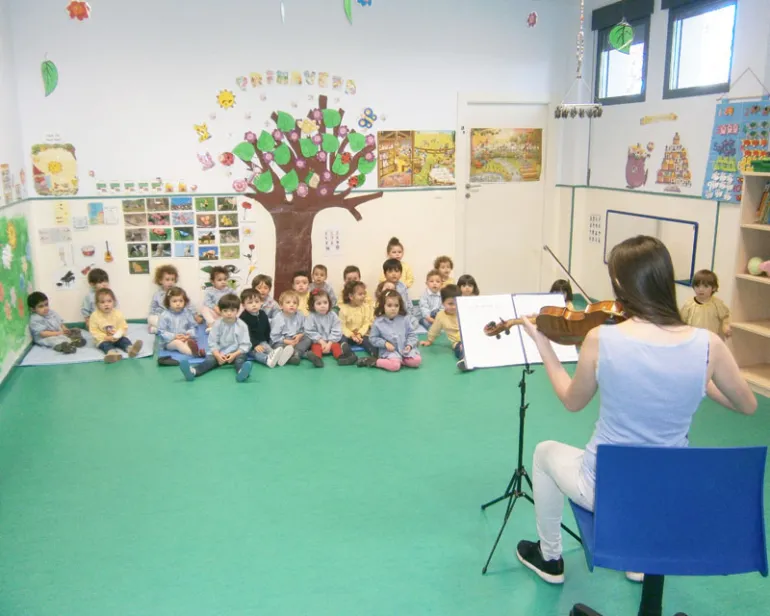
<point x="366" y="166"/>
<point x="330" y="143"/>
<point x="290" y="181"/>
<point x="50" y="76"/>
<point x="361" y="180"/>
<point x="348" y="10"/>
<point x="339" y="167"/>
<point x="309" y="177"/>
<point x="266" y="143"/>
<point x="245" y="151"/>
<point x="356" y="141"/>
<point x="309" y="149"/>
<point x="282" y="154"/>
<point x="285" y="122"/>
<point x="265" y="182"/>
<point x="621" y="37"/>
<point x="332" y="118"/>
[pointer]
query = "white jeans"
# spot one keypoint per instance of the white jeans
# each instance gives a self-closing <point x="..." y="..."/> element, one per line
<point x="556" y="474"/>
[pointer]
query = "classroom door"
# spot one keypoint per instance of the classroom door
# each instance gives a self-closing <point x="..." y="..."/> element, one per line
<point x="500" y="192"/>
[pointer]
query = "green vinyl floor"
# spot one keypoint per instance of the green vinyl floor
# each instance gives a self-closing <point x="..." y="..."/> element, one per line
<point x="126" y="491"/>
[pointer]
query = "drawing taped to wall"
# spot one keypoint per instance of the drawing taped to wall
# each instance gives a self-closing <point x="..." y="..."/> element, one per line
<point x="674" y="171"/>
<point x="54" y="169"/>
<point x="134" y="206"/>
<point x="139" y="267"/>
<point x="204" y="204"/>
<point x="395" y="151"/>
<point x="506" y="155"/>
<point x="636" y="164"/>
<point x="434" y="158"/>
<point x="183" y="219"/>
<point x="184" y="250"/>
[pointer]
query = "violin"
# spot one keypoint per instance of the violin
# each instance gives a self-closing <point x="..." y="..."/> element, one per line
<point x="562" y="325"/>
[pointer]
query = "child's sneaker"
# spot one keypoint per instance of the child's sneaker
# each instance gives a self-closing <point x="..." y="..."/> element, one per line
<point x="273" y="357"/>
<point x="63" y="347"/>
<point x="78" y="341"/>
<point x="167" y="361"/>
<point x="244" y="372"/>
<point x="366" y="362"/>
<point x="285" y="355"/>
<point x="314" y="359"/>
<point x="112" y="356"/>
<point x="347" y="360"/>
<point x="195" y="349"/>
<point x="134" y="349"/>
<point x="187" y="370"/>
<point x="461" y="366"/>
<point x="294" y="359"/>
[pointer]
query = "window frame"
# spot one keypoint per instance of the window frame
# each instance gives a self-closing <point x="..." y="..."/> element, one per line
<point x="686" y="11"/>
<point x="601" y="37"/>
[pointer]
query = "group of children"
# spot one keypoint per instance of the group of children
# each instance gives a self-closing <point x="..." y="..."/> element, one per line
<point x="306" y="322"/>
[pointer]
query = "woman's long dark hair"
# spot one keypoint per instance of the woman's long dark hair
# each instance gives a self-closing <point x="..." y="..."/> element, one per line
<point x="642" y="278"/>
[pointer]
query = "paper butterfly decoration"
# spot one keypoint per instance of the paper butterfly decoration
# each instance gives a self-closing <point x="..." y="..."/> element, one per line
<point x="206" y="160"/>
<point x="368" y="117"/>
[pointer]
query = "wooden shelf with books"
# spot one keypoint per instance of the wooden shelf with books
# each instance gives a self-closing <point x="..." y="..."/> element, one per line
<point x="750" y="309"/>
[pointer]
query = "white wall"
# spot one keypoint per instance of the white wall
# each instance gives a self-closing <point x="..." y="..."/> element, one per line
<point x="10" y="147"/>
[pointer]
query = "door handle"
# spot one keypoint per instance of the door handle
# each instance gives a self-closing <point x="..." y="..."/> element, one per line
<point x="469" y="186"/>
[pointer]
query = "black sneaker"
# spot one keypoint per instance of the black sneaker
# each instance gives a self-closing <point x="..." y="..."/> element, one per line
<point x="348" y="360"/>
<point x="314" y="359"/>
<point x="167" y="361"/>
<point x="366" y="362"/>
<point x="293" y="360"/>
<point x="552" y="571"/>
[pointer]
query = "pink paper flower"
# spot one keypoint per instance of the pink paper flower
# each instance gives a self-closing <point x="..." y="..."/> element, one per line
<point x="277" y="135"/>
<point x="343" y="130"/>
<point x="239" y="185"/>
<point x="324" y="190"/>
<point x="251" y="137"/>
<point x="370" y="140"/>
<point x="293" y="135"/>
<point x="317" y="115"/>
<point x="317" y="139"/>
<point x="326" y="176"/>
<point x="268" y="156"/>
<point x="302" y="190"/>
<point x="369" y="156"/>
<point x="226" y="158"/>
<point x="301" y="164"/>
<point x="321" y="156"/>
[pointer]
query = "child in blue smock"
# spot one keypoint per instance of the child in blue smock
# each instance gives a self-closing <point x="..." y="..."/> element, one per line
<point x="324" y="329"/>
<point x="392" y="333"/>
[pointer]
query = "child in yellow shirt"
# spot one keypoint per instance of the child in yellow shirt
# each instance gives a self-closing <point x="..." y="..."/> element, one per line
<point x="395" y="250"/>
<point x="300" y="283"/>
<point x="353" y="274"/>
<point x="446" y="320"/>
<point x="108" y="327"/>
<point x="356" y="316"/>
<point x="444" y="266"/>
<point x="706" y="311"/>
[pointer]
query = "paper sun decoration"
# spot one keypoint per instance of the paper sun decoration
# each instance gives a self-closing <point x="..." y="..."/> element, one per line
<point x="79" y="10"/>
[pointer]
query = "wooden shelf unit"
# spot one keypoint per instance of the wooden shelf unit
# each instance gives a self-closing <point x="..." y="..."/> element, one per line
<point x="750" y="309"/>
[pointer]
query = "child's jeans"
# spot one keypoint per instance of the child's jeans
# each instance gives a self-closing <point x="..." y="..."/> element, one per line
<point x="122" y="344"/>
<point x="211" y="362"/>
<point x="459" y="351"/>
<point x="368" y="346"/>
<point x="261" y="356"/>
<point x="393" y="364"/>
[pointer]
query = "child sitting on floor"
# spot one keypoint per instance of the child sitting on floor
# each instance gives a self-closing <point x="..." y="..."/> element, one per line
<point x="228" y="343"/>
<point x="705" y="310"/>
<point x="108" y="326"/>
<point x="299" y="284"/>
<point x="177" y="327"/>
<point x="48" y="328"/>
<point x="565" y="288"/>
<point x="467" y="285"/>
<point x="324" y="330"/>
<point x="320" y="273"/>
<point x="259" y="332"/>
<point x="218" y="289"/>
<point x="97" y="279"/>
<point x="446" y="321"/>
<point x="430" y="302"/>
<point x="444" y="266"/>
<point x="288" y="328"/>
<point x="393" y="335"/>
<point x="166" y="276"/>
<point x="263" y="284"/>
<point x="356" y="316"/>
<point x="395" y="251"/>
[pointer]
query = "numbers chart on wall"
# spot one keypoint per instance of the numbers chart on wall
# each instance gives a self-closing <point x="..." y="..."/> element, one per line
<point x="595" y="229"/>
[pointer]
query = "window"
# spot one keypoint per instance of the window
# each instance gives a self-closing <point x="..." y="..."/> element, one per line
<point x="699" y="53"/>
<point x="622" y="77"/>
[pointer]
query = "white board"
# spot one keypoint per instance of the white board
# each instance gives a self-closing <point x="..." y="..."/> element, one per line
<point x="514" y="349"/>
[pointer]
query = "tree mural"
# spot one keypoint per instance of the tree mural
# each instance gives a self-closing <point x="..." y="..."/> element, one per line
<point x="300" y="168"/>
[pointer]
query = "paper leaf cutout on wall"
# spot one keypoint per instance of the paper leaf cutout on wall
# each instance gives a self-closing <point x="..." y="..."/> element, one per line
<point x="366" y="166"/>
<point x="339" y="167"/>
<point x="347" y="4"/>
<point x="621" y="37"/>
<point x="308" y="148"/>
<point x="50" y="76"/>
<point x="332" y="118"/>
<point x="282" y="154"/>
<point x="265" y="182"/>
<point x="266" y="143"/>
<point x="245" y="151"/>
<point x="330" y="143"/>
<point x="356" y="141"/>
<point x="285" y="122"/>
<point x="290" y="181"/>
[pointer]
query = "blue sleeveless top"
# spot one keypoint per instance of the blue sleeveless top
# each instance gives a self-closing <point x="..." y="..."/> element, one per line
<point x="649" y="392"/>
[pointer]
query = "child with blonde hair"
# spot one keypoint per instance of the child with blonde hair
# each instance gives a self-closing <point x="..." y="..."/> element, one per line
<point x="177" y="327"/>
<point x="356" y="316"/>
<point x="97" y="279"/>
<point x="288" y="329"/>
<point x="108" y="326"/>
<point x="430" y="301"/>
<point x="395" y="250"/>
<point x="393" y="335"/>
<point x="444" y="266"/>
<point x="446" y="321"/>
<point x="705" y="310"/>
<point x="324" y="329"/>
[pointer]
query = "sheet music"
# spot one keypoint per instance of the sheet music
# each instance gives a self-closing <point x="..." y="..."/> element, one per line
<point x="482" y="351"/>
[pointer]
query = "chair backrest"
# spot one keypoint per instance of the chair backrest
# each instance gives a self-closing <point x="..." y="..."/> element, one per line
<point x="680" y="511"/>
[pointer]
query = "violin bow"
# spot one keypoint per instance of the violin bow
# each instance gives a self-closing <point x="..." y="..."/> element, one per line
<point x="555" y="258"/>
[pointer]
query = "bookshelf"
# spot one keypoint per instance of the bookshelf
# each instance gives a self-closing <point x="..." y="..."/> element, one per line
<point x="751" y="296"/>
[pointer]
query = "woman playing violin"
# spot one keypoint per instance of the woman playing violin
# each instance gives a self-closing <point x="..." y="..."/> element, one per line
<point x="651" y="371"/>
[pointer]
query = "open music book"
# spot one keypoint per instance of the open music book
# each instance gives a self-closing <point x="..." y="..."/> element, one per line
<point x="515" y="348"/>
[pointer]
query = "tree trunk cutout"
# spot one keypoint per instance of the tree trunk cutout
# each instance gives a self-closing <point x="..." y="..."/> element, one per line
<point x="300" y="168"/>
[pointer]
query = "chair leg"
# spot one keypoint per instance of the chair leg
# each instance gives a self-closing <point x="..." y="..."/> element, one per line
<point x="652" y="596"/>
<point x="583" y="610"/>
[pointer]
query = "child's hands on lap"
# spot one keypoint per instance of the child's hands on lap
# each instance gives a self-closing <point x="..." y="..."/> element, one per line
<point x="389" y="346"/>
<point x="259" y="348"/>
<point x="407" y="348"/>
<point x="425" y="343"/>
<point x="221" y="359"/>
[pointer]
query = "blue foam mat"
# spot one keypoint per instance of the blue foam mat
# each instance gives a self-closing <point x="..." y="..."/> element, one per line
<point x="43" y="356"/>
<point x="200" y="337"/>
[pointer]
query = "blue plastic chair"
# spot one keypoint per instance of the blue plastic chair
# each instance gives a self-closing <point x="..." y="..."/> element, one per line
<point x="675" y="511"/>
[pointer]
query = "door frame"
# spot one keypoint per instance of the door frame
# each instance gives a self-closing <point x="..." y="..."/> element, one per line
<point x="464" y="99"/>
